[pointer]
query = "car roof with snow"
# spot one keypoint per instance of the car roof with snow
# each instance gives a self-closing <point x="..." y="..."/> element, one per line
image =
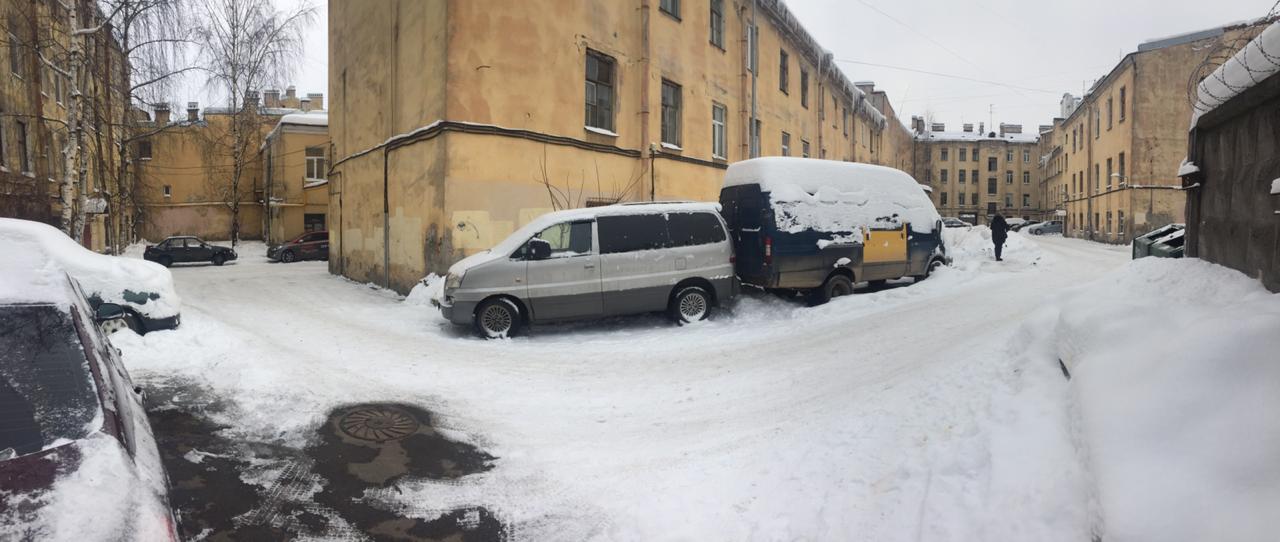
<point x="28" y="276"/>
<point x="536" y="225"/>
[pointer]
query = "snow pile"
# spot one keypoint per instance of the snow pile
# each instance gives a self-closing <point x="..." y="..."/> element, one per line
<point x="1275" y="187"/>
<point x="971" y="248"/>
<point x="832" y="196"/>
<point x="1187" y="168"/>
<point x="108" y="277"/>
<point x="310" y="118"/>
<point x="429" y="288"/>
<point x="1174" y="367"/>
<point x="1257" y="61"/>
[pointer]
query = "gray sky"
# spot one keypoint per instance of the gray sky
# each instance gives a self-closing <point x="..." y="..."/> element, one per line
<point x="1055" y="46"/>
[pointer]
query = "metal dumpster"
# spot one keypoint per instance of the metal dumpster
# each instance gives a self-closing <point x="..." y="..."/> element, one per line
<point x="1169" y="246"/>
<point x="1142" y="244"/>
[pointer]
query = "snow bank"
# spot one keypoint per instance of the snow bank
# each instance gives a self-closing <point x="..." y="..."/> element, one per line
<point x="1187" y="168"/>
<point x="1174" y="366"/>
<point x="971" y="248"/>
<point x="108" y="277"/>
<point x="832" y="196"/>
<point x="1275" y="187"/>
<point x="431" y="287"/>
<point x="1257" y="61"/>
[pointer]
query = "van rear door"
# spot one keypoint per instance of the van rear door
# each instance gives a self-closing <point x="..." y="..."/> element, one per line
<point x="884" y="252"/>
<point x="743" y="209"/>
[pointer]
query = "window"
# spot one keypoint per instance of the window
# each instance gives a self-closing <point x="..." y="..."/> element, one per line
<point x="144" y="150"/>
<point x="1122" y="97"/>
<point x="1026" y="155"/>
<point x="943" y="154"/>
<point x="1008" y="177"/>
<point x="844" y="116"/>
<point x="1120" y="222"/>
<point x="628" y="233"/>
<point x="1120" y="167"/>
<point x="991" y="186"/>
<point x="24" y="148"/>
<point x="315" y="164"/>
<point x="4" y="152"/>
<point x="962" y="198"/>
<point x="783" y="71"/>
<point x="717" y="23"/>
<point x="1108" y="230"/>
<point x="963" y="153"/>
<point x="804" y="88"/>
<point x="719" y="145"/>
<point x="168" y="191"/>
<point x="1026" y="177"/>
<point x="992" y="164"/>
<point x="1097" y="178"/>
<point x="1097" y="123"/>
<point x="15" y="49"/>
<point x="804" y="148"/>
<point x="942" y="176"/>
<point x="943" y="198"/>
<point x="1008" y="155"/>
<point x="786" y="144"/>
<point x="1026" y="200"/>
<point x="670" y="113"/>
<point x="1110" y="112"/>
<point x="599" y="91"/>
<point x="670" y="7"/>
<point x="755" y="138"/>
<point x="961" y="177"/>
<point x="1008" y="201"/>
<point x="975" y="154"/>
<point x="1109" y="174"/>
<point x="1097" y="220"/>
<point x="689" y="229"/>
<point x="753" y="51"/>
<point x="314" y="222"/>
<point x="570" y="239"/>
<point x="974" y="198"/>
<point x="974" y="175"/>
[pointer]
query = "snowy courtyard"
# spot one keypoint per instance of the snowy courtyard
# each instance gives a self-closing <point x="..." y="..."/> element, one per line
<point x="904" y="413"/>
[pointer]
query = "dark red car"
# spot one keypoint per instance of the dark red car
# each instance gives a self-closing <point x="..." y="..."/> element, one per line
<point x="308" y="246"/>
<point x="78" y="460"/>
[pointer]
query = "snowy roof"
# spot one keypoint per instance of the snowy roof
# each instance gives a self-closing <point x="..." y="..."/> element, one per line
<point x="30" y="276"/>
<point x="975" y="136"/>
<point x="1256" y="61"/>
<point x="309" y="118"/>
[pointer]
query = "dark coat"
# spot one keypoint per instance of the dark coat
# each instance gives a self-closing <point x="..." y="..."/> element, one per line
<point x="999" y="228"/>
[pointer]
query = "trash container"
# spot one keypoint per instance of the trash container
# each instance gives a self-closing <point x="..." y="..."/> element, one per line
<point x="1142" y="244"/>
<point x="1169" y="246"/>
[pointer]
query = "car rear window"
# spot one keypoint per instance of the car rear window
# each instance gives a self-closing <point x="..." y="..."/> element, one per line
<point x="46" y="388"/>
<point x="627" y="233"/>
<point x="687" y="229"/>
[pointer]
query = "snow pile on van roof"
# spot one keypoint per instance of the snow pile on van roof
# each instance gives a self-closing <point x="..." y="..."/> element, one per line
<point x="46" y="248"/>
<point x="832" y="196"/>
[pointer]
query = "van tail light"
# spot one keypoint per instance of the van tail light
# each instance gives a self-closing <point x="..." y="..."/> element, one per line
<point x="768" y="251"/>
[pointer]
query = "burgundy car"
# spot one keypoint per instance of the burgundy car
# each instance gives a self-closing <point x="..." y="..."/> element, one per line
<point x="77" y="457"/>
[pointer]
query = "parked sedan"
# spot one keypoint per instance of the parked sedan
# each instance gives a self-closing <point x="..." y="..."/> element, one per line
<point x="78" y="460"/>
<point x="308" y="246"/>
<point x="1024" y="225"/>
<point x="1052" y="226"/>
<point x="953" y="222"/>
<point x="187" y="249"/>
<point x="143" y="289"/>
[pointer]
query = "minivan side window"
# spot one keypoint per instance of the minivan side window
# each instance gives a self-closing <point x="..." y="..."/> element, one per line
<point x="627" y="233"/>
<point x="568" y="239"/>
<point x="688" y="229"/>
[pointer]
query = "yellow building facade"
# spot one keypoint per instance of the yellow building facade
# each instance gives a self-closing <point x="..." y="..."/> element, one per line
<point x="453" y="123"/>
<point x="1120" y="147"/>
<point x="295" y="164"/>
<point x="975" y="173"/>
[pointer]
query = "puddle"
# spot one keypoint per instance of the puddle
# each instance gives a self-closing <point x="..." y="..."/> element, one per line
<point x="316" y="492"/>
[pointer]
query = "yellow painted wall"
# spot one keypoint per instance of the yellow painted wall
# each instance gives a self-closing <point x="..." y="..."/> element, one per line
<point x="284" y="156"/>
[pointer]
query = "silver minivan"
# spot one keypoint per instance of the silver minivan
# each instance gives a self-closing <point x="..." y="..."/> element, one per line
<point x="601" y="261"/>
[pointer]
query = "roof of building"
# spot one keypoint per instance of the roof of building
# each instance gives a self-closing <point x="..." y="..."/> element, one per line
<point x="975" y="136"/>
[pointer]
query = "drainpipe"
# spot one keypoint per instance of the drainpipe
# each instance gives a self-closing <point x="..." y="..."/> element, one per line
<point x="753" y="50"/>
<point x="647" y="71"/>
<point x="386" y="223"/>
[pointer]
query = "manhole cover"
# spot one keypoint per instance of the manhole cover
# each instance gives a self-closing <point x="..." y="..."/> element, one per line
<point x="378" y="423"/>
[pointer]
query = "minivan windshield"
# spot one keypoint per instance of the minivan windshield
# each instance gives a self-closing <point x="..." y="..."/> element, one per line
<point x="46" y="388"/>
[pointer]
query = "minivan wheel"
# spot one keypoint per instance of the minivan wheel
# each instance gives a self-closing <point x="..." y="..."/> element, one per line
<point x="835" y="286"/>
<point x="497" y="319"/>
<point x="690" y="304"/>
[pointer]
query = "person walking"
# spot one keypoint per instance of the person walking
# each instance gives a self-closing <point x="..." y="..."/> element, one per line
<point x="999" y="231"/>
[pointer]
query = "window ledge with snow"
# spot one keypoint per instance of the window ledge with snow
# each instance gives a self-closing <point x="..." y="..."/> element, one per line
<point x="671" y="146"/>
<point x="601" y="131"/>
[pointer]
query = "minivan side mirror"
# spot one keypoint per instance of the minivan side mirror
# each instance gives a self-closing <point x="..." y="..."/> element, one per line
<point x="539" y="249"/>
<point x="108" y="311"/>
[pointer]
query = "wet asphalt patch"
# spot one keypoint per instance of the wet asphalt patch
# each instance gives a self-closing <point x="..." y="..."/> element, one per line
<point x="313" y="492"/>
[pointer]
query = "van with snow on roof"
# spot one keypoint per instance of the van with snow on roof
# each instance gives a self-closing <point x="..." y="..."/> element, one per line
<point x="589" y="263"/>
<point x="820" y="226"/>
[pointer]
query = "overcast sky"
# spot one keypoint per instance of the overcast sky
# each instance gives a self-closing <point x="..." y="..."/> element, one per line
<point x="1049" y="47"/>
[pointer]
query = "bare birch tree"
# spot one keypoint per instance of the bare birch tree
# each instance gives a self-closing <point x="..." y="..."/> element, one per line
<point x="246" y="45"/>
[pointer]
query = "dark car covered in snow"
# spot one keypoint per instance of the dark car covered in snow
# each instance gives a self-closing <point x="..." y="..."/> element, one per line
<point x="308" y="246"/>
<point x="142" y="289"/>
<point x="78" y="460"/>
<point x="187" y="249"/>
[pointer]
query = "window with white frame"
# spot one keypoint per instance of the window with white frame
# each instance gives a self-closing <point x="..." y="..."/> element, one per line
<point x="786" y="144"/>
<point x="315" y="163"/>
<point x="719" y="146"/>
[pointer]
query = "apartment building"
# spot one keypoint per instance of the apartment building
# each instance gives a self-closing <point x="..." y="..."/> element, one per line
<point x="975" y="173"/>
<point x="1122" y="143"/>
<point x="453" y="123"/>
<point x="35" y="99"/>
<point x="185" y="169"/>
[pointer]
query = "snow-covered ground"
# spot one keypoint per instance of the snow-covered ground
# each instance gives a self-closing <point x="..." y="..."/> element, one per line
<point x="913" y="412"/>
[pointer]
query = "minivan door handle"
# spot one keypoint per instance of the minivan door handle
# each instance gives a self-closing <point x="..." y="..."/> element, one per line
<point x="589" y="266"/>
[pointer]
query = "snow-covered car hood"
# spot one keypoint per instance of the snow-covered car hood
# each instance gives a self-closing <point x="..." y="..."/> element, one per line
<point x="474" y="260"/>
<point x="143" y="286"/>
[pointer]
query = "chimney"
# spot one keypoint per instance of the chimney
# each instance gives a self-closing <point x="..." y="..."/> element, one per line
<point x="317" y="100"/>
<point x="290" y="92"/>
<point x="938" y="127"/>
<point x="251" y="99"/>
<point x="305" y="105"/>
<point x="193" y="111"/>
<point x="917" y="124"/>
<point x="271" y="98"/>
<point x="982" y="128"/>
<point x="968" y="127"/>
<point x="162" y="114"/>
<point x="1010" y="128"/>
